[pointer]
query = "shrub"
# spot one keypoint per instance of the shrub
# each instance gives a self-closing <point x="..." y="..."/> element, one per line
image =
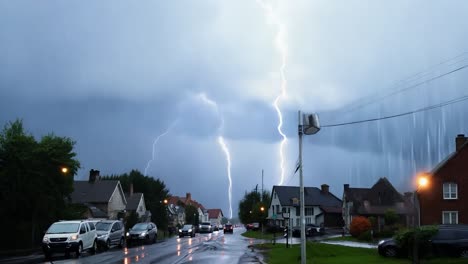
<point x="359" y="225"/>
<point x="391" y="217"/>
<point x="365" y="236"/>
<point x="405" y="239"/>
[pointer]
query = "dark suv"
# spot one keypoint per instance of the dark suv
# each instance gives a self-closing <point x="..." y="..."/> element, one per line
<point x="450" y="240"/>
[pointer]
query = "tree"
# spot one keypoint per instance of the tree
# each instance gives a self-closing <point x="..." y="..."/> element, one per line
<point x="224" y="220"/>
<point x="34" y="192"/>
<point x="154" y="192"/>
<point x="250" y="207"/>
<point x="191" y="215"/>
<point x="391" y="217"/>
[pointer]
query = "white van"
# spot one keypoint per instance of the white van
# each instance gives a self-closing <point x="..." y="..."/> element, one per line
<point x="69" y="237"/>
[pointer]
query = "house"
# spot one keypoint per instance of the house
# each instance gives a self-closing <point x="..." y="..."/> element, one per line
<point x="103" y="198"/>
<point x="136" y="203"/>
<point x="444" y="200"/>
<point x="215" y="216"/>
<point x="321" y="207"/>
<point x="376" y="201"/>
<point x="187" y="200"/>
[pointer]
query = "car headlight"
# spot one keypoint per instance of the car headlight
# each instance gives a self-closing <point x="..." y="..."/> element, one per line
<point x="180" y="230"/>
<point x="190" y="230"/>
<point x="45" y="239"/>
<point x="143" y="234"/>
<point x="73" y="238"/>
<point x="127" y="234"/>
<point x="381" y="242"/>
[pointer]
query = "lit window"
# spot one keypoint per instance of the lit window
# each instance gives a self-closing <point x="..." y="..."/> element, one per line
<point x="450" y="190"/>
<point x="450" y="217"/>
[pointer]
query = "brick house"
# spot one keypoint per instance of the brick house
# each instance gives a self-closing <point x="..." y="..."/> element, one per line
<point x="375" y="202"/>
<point x="445" y="200"/>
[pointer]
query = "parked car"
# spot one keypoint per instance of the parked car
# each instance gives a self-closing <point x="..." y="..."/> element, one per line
<point x="187" y="230"/>
<point x="310" y="229"/>
<point x="205" y="227"/>
<point x="450" y="240"/>
<point x="142" y="232"/>
<point x="69" y="237"/>
<point x="109" y="233"/>
<point x="228" y="228"/>
<point x="255" y="226"/>
<point x="249" y="226"/>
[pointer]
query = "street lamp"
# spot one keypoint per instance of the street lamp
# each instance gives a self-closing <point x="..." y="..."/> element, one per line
<point x="64" y="170"/>
<point x="309" y="125"/>
<point x="422" y="180"/>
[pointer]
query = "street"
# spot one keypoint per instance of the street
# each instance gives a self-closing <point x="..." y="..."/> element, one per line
<point x="203" y="248"/>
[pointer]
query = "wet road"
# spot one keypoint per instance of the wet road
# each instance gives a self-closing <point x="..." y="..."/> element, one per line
<point x="203" y="248"/>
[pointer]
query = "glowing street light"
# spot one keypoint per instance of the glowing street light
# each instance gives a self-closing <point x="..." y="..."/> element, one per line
<point x="422" y="180"/>
<point x="262" y="208"/>
<point x="64" y="170"/>
<point x="165" y="201"/>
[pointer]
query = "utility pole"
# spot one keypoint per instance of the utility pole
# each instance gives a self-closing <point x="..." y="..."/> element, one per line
<point x="301" y="194"/>
<point x="261" y="196"/>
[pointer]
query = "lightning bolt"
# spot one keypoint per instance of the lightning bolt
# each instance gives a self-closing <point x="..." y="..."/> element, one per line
<point x="282" y="50"/>
<point x="222" y="144"/>
<point x="155" y="142"/>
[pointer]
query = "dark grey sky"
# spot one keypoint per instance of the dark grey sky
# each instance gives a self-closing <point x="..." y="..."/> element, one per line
<point x="113" y="75"/>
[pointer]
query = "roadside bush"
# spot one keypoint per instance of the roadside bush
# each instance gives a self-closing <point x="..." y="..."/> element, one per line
<point x="365" y="236"/>
<point x="405" y="239"/>
<point x="359" y="225"/>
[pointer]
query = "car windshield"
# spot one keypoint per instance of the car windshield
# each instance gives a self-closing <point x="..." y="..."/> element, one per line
<point x="62" y="228"/>
<point x="206" y="223"/>
<point x="139" y="227"/>
<point x="187" y="227"/>
<point x="101" y="226"/>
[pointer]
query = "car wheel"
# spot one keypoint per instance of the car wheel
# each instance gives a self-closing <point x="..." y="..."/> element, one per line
<point x="121" y="243"/>
<point x="79" y="250"/>
<point x="464" y="253"/>
<point x="108" y="244"/>
<point x="390" y="252"/>
<point x="47" y="255"/>
<point x="94" y="248"/>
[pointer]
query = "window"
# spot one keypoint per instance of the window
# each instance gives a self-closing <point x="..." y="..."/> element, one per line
<point x="92" y="226"/>
<point x="277" y="209"/>
<point x="450" y="190"/>
<point x="308" y="220"/>
<point x="297" y="222"/>
<point x="83" y="229"/>
<point x="283" y="210"/>
<point x="298" y="211"/>
<point x="450" y="217"/>
<point x="273" y="209"/>
<point x="309" y="211"/>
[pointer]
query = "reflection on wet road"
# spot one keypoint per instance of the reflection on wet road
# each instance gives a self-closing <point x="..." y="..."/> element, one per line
<point x="203" y="248"/>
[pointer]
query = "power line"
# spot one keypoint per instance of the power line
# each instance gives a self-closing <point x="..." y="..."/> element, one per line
<point x="412" y="78"/>
<point x="453" y="101"/>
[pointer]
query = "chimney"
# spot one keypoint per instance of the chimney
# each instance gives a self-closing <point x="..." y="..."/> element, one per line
<point x="130" y="191"/>
<point x="346" y="187"/>
<point x="325" y="188"/>
<point x="460" y="141"/>
<point x="188" y="197"/>
<point x="93" y="176"/>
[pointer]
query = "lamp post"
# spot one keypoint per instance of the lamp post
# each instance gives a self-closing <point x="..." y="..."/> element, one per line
<point x="422" y="182"/>
<point x="309" y="125"/>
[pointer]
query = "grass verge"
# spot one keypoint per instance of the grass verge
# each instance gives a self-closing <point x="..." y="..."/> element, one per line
<point x="260" y="235"/>
<point x="319" y="253"/>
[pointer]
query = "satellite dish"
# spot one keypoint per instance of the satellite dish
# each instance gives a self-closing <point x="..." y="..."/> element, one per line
<point x="311" y="124"/>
